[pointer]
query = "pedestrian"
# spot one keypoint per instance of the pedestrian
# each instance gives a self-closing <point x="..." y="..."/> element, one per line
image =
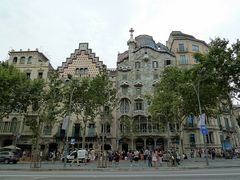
<point x="136" y="157"/>
<point x="160" y="155"/>
<point x="130" y="157"/>
<point x="149" y="158"/>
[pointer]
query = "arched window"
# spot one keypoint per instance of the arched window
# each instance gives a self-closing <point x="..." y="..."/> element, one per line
<point x="13" y="127"/>
<point x="124" y="105"/>
<point x="29" y="61"/>
<point x="22" y="60"/>
<point x="77" y="71"/>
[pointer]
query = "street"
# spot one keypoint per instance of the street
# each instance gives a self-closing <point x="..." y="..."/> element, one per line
<point x="196" y="174"/>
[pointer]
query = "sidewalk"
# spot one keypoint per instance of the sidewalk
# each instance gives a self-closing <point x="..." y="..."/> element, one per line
<point x="123" y="165"/>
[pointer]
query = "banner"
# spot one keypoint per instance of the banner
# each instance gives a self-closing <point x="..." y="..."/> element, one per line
<point x="65" y="123"/>
<point x="201" y="121"/>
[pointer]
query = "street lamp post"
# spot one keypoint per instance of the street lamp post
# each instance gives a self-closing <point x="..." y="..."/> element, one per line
<point x="196" y="89"/>
<point x="66" y="130"/>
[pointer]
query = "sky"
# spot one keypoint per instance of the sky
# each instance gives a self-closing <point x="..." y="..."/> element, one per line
<point x="56" y="27"/>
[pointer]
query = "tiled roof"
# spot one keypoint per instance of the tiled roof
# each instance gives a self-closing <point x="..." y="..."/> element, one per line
<point x="122" y="56"/>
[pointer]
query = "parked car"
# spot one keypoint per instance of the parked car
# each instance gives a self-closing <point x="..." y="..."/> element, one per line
<point x="82" y="156"/>
<point x="9" y="156"/>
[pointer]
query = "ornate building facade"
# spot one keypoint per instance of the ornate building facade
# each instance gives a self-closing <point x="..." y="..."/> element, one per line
<point x="138" y="70"/>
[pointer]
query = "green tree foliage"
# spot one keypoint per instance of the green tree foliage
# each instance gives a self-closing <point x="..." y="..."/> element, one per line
<point x="89" y="98"/>
<point x="222" y="64"/>
<point x="43" y="107"/>
<point x="13" y="90"/>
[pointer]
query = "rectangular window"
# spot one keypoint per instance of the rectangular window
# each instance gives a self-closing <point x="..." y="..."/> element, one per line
<point x="155" y="64"/>
<point x="181" y="47"/>
<point x="40" y="75"/>
<point x="138" y="105"/>
<point x="137" y="65"/>
<point x="210" y="138"/>
<point x="155" y="76"/>
<point x="192" y="140"/>
<point x="124" y="77"/>
<point x="77" y="130"/>
<point x="47" y="130"/>
<point x="226" y="123"/>
<point x="138" y="91"/>
<point x="138" y="76"/>
<point x="91" y="125"/>
<point x="195" y="48"/>
<point x="28" y="75"/>
<point x="190" y="120"/>
<point x="194" y="59"/>
<point x="167" y="62"/>
<point x="124" y="90"/>
<point x="183" y="59"/>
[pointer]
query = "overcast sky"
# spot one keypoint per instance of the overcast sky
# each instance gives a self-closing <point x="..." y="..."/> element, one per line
<point x="57" y="27"/>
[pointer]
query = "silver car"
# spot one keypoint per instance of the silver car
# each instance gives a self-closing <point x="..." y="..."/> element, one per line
<point x="9" y="156"/>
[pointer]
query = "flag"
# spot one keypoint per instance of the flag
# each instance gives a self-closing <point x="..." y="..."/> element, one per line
<point x="201" y="121"/>
<point x="65" y="123"/>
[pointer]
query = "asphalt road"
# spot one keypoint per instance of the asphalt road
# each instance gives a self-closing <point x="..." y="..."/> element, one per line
<point x="195" y="174"/>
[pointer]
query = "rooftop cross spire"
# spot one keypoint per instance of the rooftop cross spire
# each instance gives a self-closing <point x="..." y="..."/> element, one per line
<point x="131" y="31"/>
<point x="131" y="36"/>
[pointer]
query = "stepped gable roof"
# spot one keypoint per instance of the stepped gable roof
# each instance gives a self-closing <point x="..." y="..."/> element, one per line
<point x="122" y="56"/>
<point x="83" y="48"/>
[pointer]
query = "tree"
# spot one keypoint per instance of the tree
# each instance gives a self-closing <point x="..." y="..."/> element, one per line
<point x="13" y="90"/>
<point x="222" y="64"/>
<point x="43" y="108"/>
<point x="89" y="97"/>
<point x="167" y="103"/>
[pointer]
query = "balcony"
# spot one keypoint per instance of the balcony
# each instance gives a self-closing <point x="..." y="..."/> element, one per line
<point x="124" y="84"/>
<point x="139" y="97"/>
<point x="182" y="50"/>
<point x="124" y="68"/>
<point x="138" y="84"/>
<point x="139" y="112"/>
<point x="8" y="128"/>
<point x="190" y="126"/>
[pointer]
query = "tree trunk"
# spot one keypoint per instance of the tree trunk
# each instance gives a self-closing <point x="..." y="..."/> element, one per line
<point x="84" y="134"/>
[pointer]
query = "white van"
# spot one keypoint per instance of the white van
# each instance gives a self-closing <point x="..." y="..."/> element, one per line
<point x="82" y="155"/>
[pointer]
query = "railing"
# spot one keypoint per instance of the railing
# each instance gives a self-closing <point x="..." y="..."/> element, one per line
<point x="139" y="112"/>
<point x="182" y="50"/>
<point x="9" y="127"/>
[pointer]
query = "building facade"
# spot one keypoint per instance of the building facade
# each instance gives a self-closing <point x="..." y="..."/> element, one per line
<point x="83" y="62"/>
<point x="138" y="70"/>
<point x="184" y="46"/>
<point x="13" y="130"/>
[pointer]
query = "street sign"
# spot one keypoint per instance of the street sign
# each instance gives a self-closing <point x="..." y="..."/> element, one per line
<point x="204" y="130"/>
